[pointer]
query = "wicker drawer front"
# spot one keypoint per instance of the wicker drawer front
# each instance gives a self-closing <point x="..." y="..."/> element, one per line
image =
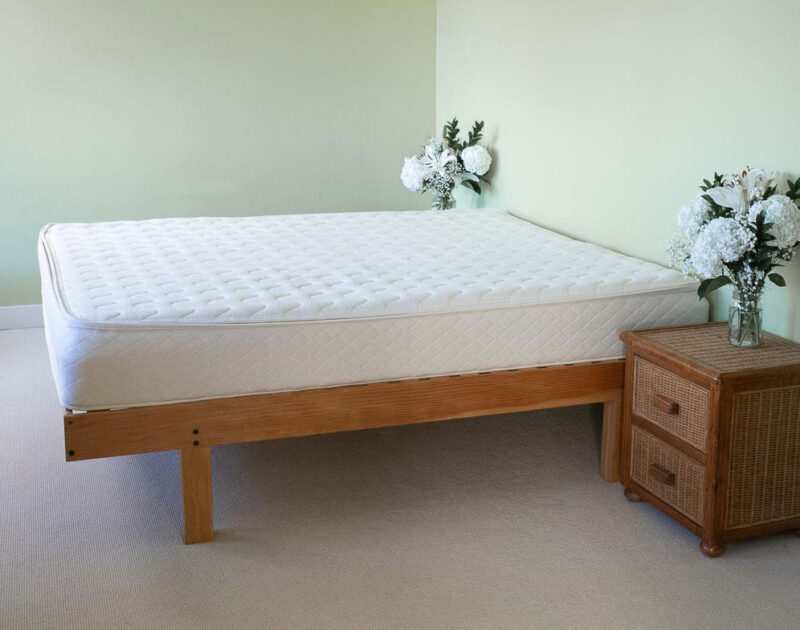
<point x="672" y="476"/>
<point x="671" y="402"/>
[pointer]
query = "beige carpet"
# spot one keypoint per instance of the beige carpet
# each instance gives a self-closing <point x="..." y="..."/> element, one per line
<point x="497" y="522"/>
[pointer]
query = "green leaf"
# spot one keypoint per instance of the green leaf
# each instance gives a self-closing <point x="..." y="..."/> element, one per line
<point x="450" y="133"/>
<point x="718" y="181"/>
<point x="777" y="279"/>
<point x="793" y="191"/>
<point x="711" y="284"/>
<point x="474" y="185"/>
<point x="716" y="209"/>
<point x="475" y="134"/>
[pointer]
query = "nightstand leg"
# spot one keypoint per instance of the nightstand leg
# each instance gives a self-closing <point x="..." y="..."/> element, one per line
<point x="712" y="548"/>
<point x="632" y="496"/>
<point x="797" y="533"/>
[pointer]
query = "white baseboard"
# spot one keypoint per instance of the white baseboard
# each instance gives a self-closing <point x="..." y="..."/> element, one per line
<point x="28" y="316"/>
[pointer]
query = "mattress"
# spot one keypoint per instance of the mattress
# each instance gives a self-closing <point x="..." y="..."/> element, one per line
<point x="169" y="310"/>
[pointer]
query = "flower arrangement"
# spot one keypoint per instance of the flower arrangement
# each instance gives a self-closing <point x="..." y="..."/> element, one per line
<point x="736" y="231"/>
<point x="447" y="161"/>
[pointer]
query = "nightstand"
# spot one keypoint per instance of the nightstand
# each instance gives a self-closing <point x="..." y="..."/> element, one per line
<point x="711" y="433"/>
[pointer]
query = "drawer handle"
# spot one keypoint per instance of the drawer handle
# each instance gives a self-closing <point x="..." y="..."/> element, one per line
<point x="659" y="473"/>
<point x="667" y="405"/>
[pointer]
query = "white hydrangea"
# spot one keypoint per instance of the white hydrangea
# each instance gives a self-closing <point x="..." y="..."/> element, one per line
<point x="680" y="250"/>
<point x="784" y="215"/>
<point x="693" y="216"/>
<point x="722" y="240"/>
<point x="413" y="174"/>
<point x="476" y="159"/>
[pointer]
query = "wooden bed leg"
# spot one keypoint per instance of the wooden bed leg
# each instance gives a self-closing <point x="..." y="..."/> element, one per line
<point x="610" y="447"/>
<point x="198" y="513"/>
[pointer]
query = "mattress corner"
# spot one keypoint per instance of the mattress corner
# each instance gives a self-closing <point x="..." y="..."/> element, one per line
<point x="43" y="231"/>
<point x="53" y="303"/>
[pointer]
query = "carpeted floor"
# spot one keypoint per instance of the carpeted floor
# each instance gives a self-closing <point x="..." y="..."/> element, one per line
<point x="499" y="522"/>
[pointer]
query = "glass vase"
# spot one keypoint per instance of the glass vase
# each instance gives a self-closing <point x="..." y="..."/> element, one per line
<point x="443" y="202"/>
<point x="744" y="320"/>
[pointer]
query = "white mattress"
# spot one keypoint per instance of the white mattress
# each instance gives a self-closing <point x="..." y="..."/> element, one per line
<point x="149" y="312"/>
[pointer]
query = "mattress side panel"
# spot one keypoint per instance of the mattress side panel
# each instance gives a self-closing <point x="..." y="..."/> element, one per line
<point x="107" y="368"/>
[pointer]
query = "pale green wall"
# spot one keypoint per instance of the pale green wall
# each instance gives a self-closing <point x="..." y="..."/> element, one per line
<point x="121" y="110"/>
<point x="604" y="116"/>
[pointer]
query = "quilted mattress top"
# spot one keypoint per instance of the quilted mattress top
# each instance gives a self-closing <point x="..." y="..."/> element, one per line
<point x="308" y="267"/>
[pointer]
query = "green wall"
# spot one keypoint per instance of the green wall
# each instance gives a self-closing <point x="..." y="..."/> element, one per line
<point x="605" y="116"/>
<point x="127" y="110"/>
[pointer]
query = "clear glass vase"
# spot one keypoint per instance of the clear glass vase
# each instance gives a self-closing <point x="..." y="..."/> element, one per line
<point x="744" y="320"/>
<point x="443" y="202"/>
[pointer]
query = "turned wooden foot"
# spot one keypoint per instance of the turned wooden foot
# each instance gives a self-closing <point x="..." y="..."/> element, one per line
<point x="632" y="496"/>
<point x="712" y="549"/>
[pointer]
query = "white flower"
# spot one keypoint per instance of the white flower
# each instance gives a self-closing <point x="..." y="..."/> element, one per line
<point x="755" y="182"/>
<point x="680" y="250"/>
<point x="476" y="159"/>
<point x="729" y="197"/>
<point x="435" y="144"/>
<point x="413" y="174"/>
<point x="435" y="162"/>
<point x="752" y="179"/>
<point x="722" y="241"/>
<point x="784" y="215"/>
<point x="693" y="216"/>
<point x="742" y="190"/>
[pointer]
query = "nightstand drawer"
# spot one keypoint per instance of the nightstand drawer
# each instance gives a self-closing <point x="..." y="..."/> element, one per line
<point x="673" y="403"/>
<point x="670" y="475"/>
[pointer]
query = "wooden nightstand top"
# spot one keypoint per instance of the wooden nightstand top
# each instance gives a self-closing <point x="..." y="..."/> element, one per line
<point x="706" y="346"/>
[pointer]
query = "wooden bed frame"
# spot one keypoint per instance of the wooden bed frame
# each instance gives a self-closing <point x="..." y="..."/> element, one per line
<point x="194" y="427"/>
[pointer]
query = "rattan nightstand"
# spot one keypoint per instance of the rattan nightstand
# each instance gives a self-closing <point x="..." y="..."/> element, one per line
<point x="711" y="433"/>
